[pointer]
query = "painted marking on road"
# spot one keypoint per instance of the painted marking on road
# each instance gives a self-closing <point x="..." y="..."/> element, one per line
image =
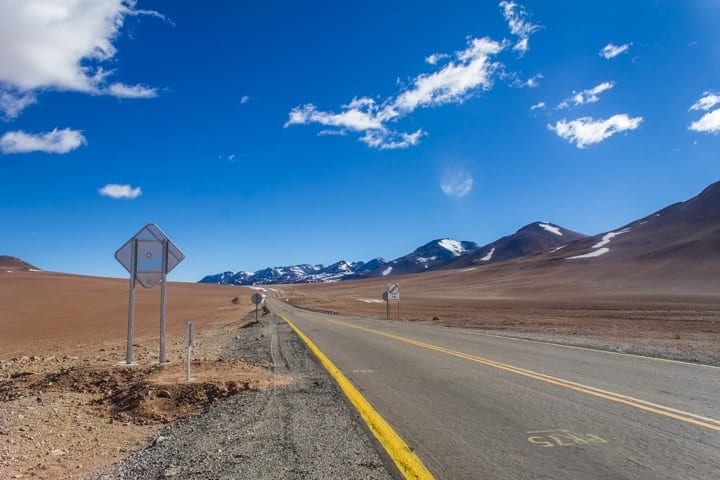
<point x="562" y="438"/>
<point x="590" y="349"/>
<point x="651" y="407"/>
<point x="410" y="466"/>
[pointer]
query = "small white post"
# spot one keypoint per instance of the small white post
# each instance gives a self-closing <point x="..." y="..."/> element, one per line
<point x="189" y="335"/>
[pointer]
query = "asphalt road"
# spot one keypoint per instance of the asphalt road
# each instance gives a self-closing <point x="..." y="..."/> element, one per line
<point x="483" y="407"/>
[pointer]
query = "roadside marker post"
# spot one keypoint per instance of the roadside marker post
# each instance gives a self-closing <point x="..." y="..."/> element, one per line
<point x="257" y="299"/>
<point x="189" y="342"/>
<point x="149" y="256"/>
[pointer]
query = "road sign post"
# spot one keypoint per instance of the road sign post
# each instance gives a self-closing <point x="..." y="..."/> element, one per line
<point x="257" y="299"/>
<point x="387" y="305"/>
<point x="131" y="303"/>
<point x="149" y="256"/>
<point x="393" y="295"/>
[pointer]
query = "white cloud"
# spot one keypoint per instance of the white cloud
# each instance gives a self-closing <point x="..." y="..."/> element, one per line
<point x="708" y="123"/>
<point x="537" y="106"/>
<point x="471" y="71"/>
<point x="436" y="57"/>
<point x="12" y="103"/>
<point x="457" y="183"/>
<point x="56" y="141"/>
<point x="61" y="45"/>
<point x="135" y="91"/>
<point x="587" y="131"/>
<point x="611" y="51"/>
<point x="244" y="99"/>
<point x="590" y="95"/>
<point x="708" y="100"/>
<point x="354" y="118"/>
<point x="116" y="191"/>
<point x="387" y="140"/>
<point x="517" y="19"/>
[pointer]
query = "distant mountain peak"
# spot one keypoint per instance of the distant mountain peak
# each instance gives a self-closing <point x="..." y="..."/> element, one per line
<point x="6" y="261"/>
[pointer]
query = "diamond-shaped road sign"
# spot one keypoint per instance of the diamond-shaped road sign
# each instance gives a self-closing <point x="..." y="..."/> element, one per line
<point x="149" y="264"/>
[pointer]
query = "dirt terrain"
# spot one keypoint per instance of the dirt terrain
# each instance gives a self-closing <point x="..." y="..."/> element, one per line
<point x="67" y="407"/>
<point x="669" y="322"/>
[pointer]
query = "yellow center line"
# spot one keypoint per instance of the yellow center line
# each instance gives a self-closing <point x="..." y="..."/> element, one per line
<point x="676" y="414"/>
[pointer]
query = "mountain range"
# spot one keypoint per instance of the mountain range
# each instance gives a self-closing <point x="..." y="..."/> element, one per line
<point x="681" y="240"/>
<point x="529" y="240"/>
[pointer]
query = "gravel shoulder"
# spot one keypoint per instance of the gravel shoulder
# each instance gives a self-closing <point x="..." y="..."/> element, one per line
<point x="301" y="429"/>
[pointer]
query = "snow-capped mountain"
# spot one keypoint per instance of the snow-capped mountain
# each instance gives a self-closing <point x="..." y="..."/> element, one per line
<point x="297" y="273"/>
<point x="431" y="254"/>
<point x="532" y="239"/>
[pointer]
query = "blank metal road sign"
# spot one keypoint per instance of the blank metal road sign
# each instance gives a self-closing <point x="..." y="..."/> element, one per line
<point x="149" y="243"/>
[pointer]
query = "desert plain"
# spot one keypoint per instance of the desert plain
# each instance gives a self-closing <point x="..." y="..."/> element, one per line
<point x="69" y="409"/>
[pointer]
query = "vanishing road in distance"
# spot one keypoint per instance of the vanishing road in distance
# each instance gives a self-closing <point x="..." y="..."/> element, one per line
<point x="476" y="406"/>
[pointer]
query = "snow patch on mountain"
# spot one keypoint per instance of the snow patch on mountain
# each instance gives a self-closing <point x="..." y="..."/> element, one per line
<point x="594" y="253"/>
<point x="453" y="245"/>
<point x="489" y="255"/>
<point x="550" y="228"/>
<point x="609" y="236"/>
<point x="600" y="247"/>
<point x="387" y="271"/>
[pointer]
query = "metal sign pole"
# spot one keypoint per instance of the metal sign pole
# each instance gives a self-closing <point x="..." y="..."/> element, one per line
<point x="387" y="307"/>
<point x="189" y="330"/>
<point x="398" y="310"/>
<point x="131" y="304"/>
<point x="163" y="297"/>
<point x="256" y="312"/>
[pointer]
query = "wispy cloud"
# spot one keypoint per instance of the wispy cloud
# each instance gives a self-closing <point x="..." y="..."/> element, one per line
<point x="587" y="131"/>
<point x="469" y="72"/>
<point x="436" y="57"/>
<point x="519" y="24"/>
<point x="244" y="99"/>
<point x="611" y="50"/>
<point x="12" y="103"/>
<point x="706" y="102"/>
<point x="116" y="191"/>
<point x="121" y="90"/>
<point x="456" y="183"/>
<point x="62" y="45"/>
<point x="537" y="106"/>
<point x="590" y="95"/>
<point x="709" y="122"/>
<point x="56" y="141"/>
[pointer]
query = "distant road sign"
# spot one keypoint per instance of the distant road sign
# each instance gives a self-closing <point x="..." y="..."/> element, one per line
<point x="149" y="262"/>
<point x="393" y="291"/>
<point x="256" y="298"/>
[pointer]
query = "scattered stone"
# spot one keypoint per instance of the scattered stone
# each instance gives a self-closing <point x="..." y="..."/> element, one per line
<point x="57" y="452"/>
<point x="171" y="472"/>
<point x="163" y="394"/>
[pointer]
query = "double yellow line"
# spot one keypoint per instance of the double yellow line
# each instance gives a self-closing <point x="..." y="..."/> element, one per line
<point x="676" y="414"/>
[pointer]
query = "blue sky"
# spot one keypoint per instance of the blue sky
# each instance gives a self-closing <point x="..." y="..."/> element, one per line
<point x="306" y="132"/>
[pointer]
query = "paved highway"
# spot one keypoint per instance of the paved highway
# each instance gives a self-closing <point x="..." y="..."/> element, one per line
<point x="484" y="407"/>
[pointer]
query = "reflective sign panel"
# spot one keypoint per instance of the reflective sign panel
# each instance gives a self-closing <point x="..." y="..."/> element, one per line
<point x="149" y="255"/>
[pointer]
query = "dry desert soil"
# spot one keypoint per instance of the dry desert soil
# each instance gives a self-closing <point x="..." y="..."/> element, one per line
<point x="68" y="409"/>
